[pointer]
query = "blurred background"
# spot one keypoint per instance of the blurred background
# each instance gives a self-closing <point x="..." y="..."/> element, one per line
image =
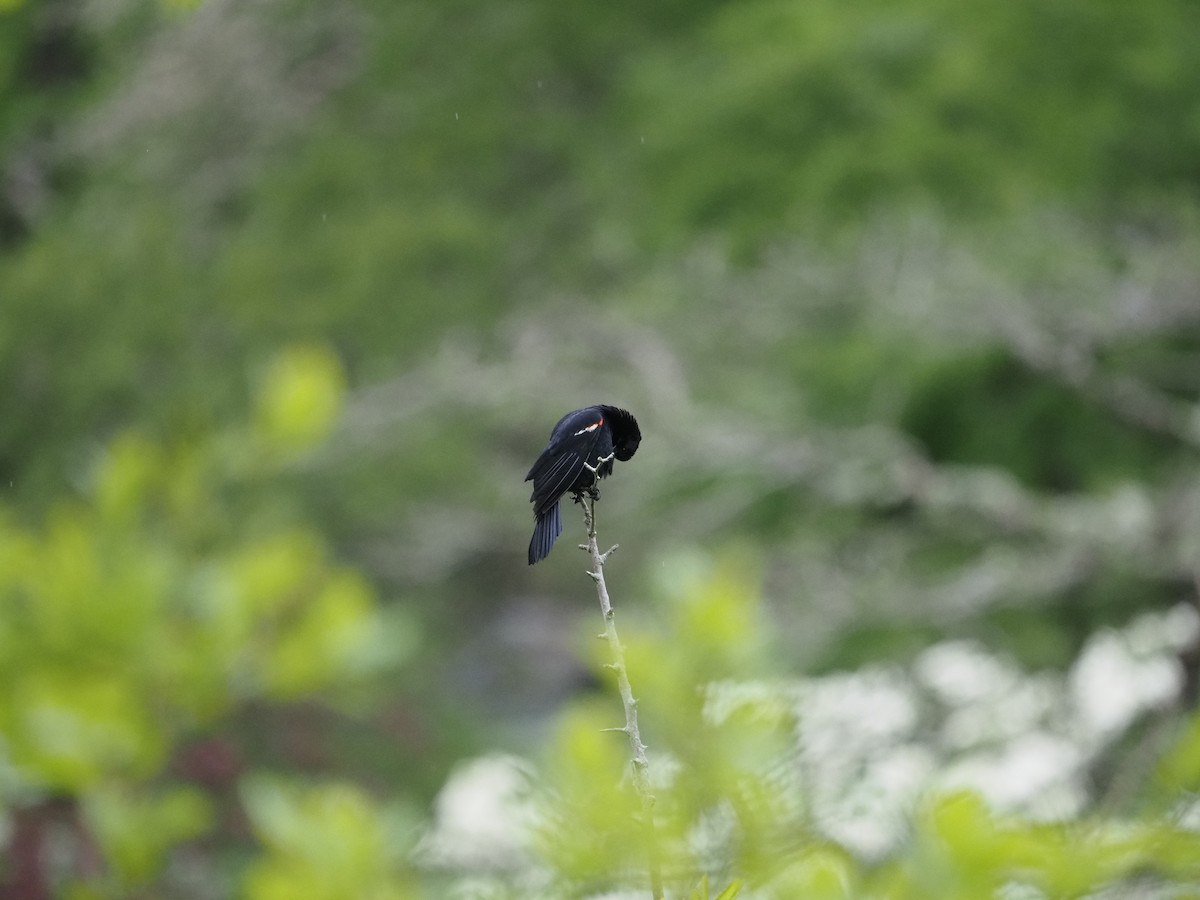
<point x="905" y="296"/>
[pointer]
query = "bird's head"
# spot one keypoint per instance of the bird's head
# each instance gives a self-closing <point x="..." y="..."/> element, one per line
<point x="625" y="433"/>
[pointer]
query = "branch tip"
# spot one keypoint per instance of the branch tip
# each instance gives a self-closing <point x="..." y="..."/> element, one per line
<point x="601" y="461"/>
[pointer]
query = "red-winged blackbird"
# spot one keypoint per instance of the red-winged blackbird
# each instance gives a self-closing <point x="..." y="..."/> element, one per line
<point x="593" y="436"/>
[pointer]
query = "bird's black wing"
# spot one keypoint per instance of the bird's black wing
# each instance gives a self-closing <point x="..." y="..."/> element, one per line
<point x="561" y="464"/>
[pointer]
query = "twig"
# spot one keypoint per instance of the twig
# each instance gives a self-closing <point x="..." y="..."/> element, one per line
<point x="641" y="777"/>
<point x="1135" y="401"/>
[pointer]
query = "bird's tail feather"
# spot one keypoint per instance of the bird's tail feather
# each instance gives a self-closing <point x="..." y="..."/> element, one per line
<point x="545" y="533"/>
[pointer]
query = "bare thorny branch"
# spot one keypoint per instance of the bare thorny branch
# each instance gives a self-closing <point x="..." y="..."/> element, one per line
<point x="637" y="749"/>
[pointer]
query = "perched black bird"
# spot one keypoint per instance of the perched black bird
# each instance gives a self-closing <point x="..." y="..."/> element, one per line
<point x="592" y="436"/>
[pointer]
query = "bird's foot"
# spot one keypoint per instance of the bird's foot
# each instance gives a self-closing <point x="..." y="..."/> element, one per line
<point x="592" y="493"/>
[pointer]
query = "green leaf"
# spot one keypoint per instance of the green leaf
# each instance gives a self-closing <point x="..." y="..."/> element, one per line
<point x="327" y="842"/>
<point x="136" y="830"/>
<point x="300" y="397"/>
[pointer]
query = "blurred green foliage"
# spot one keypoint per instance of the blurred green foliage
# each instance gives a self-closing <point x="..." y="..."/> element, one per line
<point x="1037" y="429"/>
<point x="560" y="154"/>
<point x="151" y="608"/>
<point x="731" y="799"/>
<point x="330" y="842"/>
<point x="137" y="829"/>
